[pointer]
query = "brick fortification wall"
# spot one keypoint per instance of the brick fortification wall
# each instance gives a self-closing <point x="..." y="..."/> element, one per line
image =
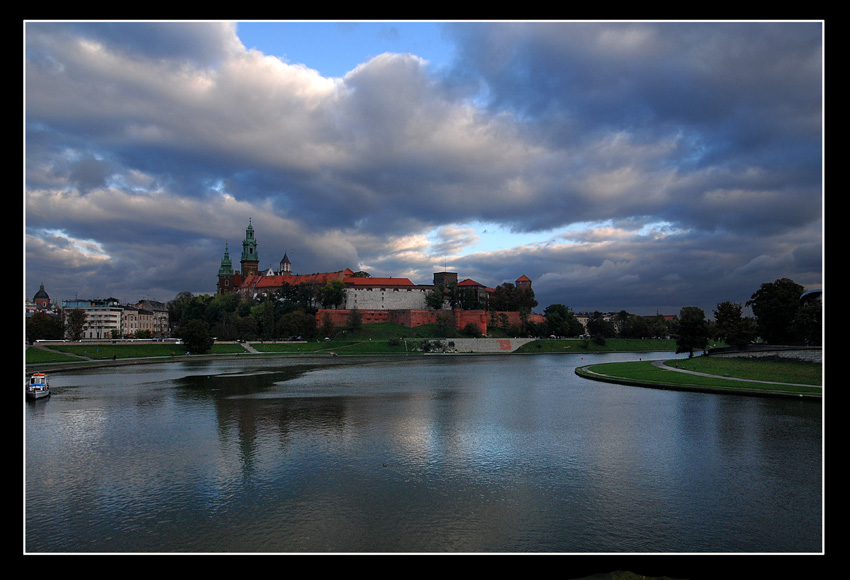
<point x="412" y="318"/>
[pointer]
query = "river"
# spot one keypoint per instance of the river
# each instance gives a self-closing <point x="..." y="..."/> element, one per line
<point x="426" y="454"/>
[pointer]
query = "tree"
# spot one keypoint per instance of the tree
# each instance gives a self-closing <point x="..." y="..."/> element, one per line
<point x="632" y="326"/>
<point x="355" y="320"/>
<point x="598" y="326"/>
<point x="445" y="324"/>
<point x="730" y="327"/>
<point x="263" y="313"/>
<point x="807" y="325"/>
<point x="327" y="329"/>
<point x="75" y="321"/>
<point x="471" y="331"/>
<point x="693" y="330"/>
<point x="44" y="326"/>
<point x="775" y="305"/>
<point x="508" y="298"/>
<point x="560" y="321"/>
<point x="297" y="324"/>
<point x="196" y="336"/>
<point x="333" y="294"/>
<point x="434" y="298"/>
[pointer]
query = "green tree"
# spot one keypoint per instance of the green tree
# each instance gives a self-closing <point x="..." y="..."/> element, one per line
<point x="807" y="325"/>
<point x="75" y="321"/>
<point x="44" y="326"/>
<point x="196" y="336"/>
<point x="468" y="298"/>
<point x="297" y="324"/>
<point x="445" y="324"/>
<point x="598" y="326"/>
<point x="693" y="330"/>
<point x="775" y="306"/>
<point x="355" y="320"/>
<point x="730" y="326"/>
<point x="560" y="321"/>
<point x="332" y="294"/>
<point x="327" y="329"/>
<point x="220" y="306"/>
<point x="263" y="313"/>
<point x="661" y="328"/>
<point x="636" y="327"/>
<point x="434" y="298"/>
<point x="471" y="331"/>
<point x="508" y="298"/>
<point x="503" y="299"/>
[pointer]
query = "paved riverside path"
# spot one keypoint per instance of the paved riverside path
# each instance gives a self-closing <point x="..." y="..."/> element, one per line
<point x="661" y="364"/>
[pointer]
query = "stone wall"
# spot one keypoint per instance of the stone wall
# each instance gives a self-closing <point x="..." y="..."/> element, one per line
<point x="801" y="353"/>
<point x="386" y="298"/>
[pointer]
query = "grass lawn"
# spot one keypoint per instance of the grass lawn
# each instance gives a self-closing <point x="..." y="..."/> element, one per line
<point x="63" y="352"/>
<point x="580" y="345"/>
<point x="731" y="370"/>
<point x="37" y="356"/>
<point x="784" y="371"/>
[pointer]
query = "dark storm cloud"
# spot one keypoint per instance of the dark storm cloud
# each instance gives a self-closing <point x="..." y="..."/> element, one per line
<point x="709" y="108"/>
<point x="662" y="164"/>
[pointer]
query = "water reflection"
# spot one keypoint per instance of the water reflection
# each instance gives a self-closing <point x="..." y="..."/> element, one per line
<point x="422" y="454"/>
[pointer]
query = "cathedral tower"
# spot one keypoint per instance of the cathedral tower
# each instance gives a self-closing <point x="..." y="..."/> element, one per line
<point x="250" y="260"/>
<point x="226" y="275"/>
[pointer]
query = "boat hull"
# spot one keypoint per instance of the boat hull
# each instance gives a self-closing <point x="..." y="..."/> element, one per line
<point x="34" y="395"/>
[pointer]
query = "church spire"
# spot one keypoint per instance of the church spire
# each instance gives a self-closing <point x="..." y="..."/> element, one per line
<point x="250" y="258"/>
<point x="226" y="267"/>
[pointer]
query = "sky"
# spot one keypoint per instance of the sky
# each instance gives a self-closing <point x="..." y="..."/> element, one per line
<point x="638" y="166"/>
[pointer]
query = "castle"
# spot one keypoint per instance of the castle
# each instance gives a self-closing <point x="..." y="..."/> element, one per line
<point x="377" y="299"/>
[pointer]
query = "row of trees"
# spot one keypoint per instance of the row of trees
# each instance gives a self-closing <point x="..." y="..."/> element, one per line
<point x="780" y="317"/>
<point x="561" y="321"/>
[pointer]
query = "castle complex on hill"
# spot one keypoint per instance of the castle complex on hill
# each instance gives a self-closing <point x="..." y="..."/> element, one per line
<point x="377" y="299"/>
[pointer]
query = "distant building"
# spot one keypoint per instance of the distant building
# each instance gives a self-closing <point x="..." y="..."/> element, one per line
<point x="41" y="298"/>
<point x="103" y="317"/>
<point x="107" y="319"/>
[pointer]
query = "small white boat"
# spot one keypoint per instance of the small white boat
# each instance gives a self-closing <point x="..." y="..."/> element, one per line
<point x="37" y="388"/>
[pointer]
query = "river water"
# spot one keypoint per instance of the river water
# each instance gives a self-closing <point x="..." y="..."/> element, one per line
<point x="472" y="454"/>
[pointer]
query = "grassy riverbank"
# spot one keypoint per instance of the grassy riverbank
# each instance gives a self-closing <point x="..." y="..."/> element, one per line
<point x="719" y="374"/>
<point x="371" y="339"/>
<point x="581" y="346"/>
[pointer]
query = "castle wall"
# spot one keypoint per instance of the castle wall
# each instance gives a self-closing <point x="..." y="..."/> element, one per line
<point x="386" y="298"/>
<point x="411" y="318"/>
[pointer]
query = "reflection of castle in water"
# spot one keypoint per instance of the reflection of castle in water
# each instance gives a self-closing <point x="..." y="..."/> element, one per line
<point x="362" y="292"/>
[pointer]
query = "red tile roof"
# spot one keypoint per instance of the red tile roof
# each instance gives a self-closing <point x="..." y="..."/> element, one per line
<point x="469" y="282"/>
<point x="358" y="281"/>
<point x="260" y="281"/>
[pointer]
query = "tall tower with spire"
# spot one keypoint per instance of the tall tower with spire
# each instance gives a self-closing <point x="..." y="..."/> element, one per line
<point x="250" y="260"/>
<point x="226" y="275"/>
